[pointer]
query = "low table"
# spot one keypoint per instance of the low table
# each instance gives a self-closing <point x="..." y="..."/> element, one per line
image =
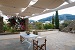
<point x="27" y="37"/>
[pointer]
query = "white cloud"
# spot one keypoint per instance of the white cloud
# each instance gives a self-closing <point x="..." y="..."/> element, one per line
<point x="41" y="16"/>
<point x="70" y="10"/>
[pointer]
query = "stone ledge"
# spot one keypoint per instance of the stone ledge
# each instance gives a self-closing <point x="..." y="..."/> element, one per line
<point x="8" y="33"/>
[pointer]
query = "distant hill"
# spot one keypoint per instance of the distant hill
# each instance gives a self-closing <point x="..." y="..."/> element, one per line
<point x="31" y="21"/>
<point x="61" y="17"/>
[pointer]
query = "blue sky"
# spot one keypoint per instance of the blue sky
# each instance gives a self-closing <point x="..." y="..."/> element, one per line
<point x="70" y="10"/>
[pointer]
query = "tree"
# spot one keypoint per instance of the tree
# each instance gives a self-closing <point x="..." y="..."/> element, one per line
<point x="53" y="20"/>
<point x="56" y="20"/>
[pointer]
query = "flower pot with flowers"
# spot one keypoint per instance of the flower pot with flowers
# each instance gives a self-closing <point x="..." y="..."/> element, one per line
<point x="27" y="32"/>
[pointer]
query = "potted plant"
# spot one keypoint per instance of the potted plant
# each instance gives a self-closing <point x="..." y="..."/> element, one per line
<point x="27" y="32"/>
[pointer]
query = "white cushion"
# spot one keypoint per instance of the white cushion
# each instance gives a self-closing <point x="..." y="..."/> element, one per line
<point x="41" y="40"/>
<point x="23" y="34"/>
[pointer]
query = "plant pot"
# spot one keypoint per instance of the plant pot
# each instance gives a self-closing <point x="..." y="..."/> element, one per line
<point x="27" y="34"/>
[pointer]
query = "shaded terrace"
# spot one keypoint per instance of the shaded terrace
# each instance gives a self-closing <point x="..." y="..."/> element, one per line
<point x="55" y="41"/>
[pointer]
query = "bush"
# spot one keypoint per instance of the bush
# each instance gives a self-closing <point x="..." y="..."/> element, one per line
<point x="38" y="25"/>
<point x="48" y="26"/>
<point x="4" y="28"/>
<point x="12" y="30"/>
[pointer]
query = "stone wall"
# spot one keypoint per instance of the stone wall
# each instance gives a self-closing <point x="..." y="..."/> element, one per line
<point x="1" y="24"/>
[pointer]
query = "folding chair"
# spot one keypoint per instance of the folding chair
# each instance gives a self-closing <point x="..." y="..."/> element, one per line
<point x="39" y="44"/>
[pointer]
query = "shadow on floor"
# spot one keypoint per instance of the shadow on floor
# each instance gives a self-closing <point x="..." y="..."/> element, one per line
<point x="13" y="44"/>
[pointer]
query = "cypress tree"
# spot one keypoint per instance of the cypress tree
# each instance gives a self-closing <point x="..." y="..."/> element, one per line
<point x="56" y="20"/>
<point x="53" y="20"/>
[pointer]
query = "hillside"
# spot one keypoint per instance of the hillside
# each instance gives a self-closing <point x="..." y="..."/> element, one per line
<point x="61" y="17"/>
<point x="31" y="21"/>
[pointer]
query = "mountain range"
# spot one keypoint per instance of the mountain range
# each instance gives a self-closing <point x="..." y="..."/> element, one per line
<point x="61" y="17"/>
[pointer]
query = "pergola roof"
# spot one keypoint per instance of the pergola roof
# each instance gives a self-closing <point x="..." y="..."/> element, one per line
<point x="13" y="7"/>
<point x="31" y="10"/>
<point x="15" y="3"/>
<point x="10" y="14"/>
<point x="9" y="9"/>
<point x="50" y="4"/>
<point x="60" y="7"/>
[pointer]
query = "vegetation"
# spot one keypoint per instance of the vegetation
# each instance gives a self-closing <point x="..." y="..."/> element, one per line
<point x="8" y="28"/>
<point x="56" y="20"/>
<point x="53" y="21"/>
<point x="14" y="24"/>
<point x="4" y="27"/>
<point x="30" y="26"/>
<point x="12" y="21"/>
<point x="65" y="24"/>
<point x="17" y="23"/>
<point x="38" y="25"/>
<point x="48" y="26"/>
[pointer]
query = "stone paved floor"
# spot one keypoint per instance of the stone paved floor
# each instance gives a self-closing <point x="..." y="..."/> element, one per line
<point x="55" y="41"/>
<point x="12" y="44"/>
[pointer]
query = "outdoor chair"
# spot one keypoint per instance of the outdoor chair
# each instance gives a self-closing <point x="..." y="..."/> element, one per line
<point x="22" y="34"/>
<point x="39" y="44"/>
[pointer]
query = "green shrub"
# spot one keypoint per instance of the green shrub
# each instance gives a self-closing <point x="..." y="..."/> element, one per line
<point x="48" y="26"/>
<point x="4" y="28"/>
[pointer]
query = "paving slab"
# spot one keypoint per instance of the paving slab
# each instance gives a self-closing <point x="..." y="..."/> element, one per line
<point x="56" y="40"/>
